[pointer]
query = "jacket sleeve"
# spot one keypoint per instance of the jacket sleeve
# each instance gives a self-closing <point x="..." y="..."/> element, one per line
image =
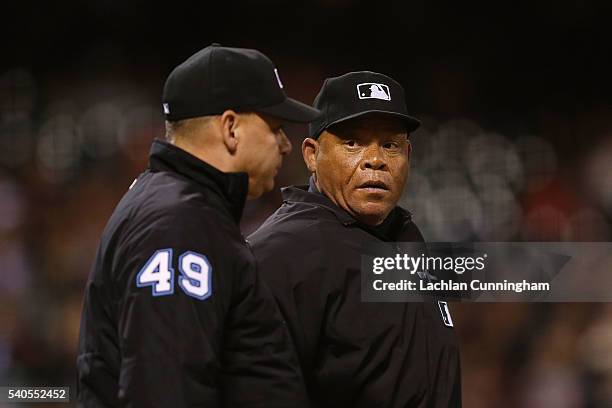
<point x="195" y="326"/>
<point x="169" y="335"/>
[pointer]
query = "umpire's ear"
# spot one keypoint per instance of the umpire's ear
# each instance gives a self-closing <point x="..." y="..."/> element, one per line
<point x="310" y="150"/>
<point x="228" y="121"/>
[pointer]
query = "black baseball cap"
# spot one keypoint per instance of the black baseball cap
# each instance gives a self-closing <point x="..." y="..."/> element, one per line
<point x="356" y="94"/>
<point x="219" y="78"/>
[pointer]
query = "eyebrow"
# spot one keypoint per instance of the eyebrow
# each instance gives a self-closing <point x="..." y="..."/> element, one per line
<point x="341" y="132"/>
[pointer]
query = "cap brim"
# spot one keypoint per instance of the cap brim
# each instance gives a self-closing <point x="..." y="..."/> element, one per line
<point x="291" y="110"/>
<point x="412" y="124"/>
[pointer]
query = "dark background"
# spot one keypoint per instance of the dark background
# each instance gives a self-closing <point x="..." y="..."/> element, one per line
<point x="516" y="145"/>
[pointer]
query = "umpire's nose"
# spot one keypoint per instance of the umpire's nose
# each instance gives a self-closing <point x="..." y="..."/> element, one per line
<point x="373" y="158"/>
<point x="284" y="143"/>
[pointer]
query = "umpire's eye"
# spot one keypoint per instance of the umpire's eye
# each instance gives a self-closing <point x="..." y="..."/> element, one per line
<point x="391" y="145"/>
<point x="351" y="143"/>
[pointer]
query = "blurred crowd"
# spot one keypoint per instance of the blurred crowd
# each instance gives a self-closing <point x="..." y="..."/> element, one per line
<point x="67" y="158"/>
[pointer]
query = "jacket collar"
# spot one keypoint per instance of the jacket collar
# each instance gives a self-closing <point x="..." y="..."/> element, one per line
<point x="310" y="194"/>
<point x="303" y="195"/>
<point x="231" y="188"/>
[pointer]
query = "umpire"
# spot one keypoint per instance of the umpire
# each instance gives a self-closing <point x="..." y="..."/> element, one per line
<point x="355" y="354"/>
<point x="174" y="314"/>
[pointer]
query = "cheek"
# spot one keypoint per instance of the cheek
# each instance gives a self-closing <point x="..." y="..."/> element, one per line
<point x="269" y="151"/>
<point x="263" y="165"/>
<point x="260" y="151"/>
<point x="399" y="170"/>
<point x="344" y="166"/>
<point x="336" y="169"/>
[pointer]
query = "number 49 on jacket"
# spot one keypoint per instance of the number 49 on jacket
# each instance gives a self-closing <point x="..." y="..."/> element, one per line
<point x="195" y="274"/>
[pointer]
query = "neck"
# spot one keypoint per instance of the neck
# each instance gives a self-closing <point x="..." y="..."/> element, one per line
<point x="371" y="220"/>
<point x="212" y="154"/>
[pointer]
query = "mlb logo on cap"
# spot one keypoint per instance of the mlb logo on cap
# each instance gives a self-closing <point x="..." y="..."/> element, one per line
<point x="336" y="100"/>
<point x="369" y="90"/>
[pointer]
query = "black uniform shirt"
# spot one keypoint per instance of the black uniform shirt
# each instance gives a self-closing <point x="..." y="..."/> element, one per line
<point x="352" y="353"/>
<point x="174" y="314"/>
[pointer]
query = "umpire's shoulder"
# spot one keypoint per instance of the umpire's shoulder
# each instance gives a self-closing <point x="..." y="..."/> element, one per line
<point x="295" y="246"/>
<point x="293" y="225"/>
<point x="164" y="210"/>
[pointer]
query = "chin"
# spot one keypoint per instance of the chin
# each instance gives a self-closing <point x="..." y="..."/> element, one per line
<point x="372" y="213"/>
<point x="269" y="186"/>
<point x="265" y="188"/>
<point x="253" y="194"/>
<point x="258" y="187"/>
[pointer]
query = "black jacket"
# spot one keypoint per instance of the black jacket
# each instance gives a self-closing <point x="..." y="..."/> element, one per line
<point x="352" y="354"/>
<point x="174" y="314"/>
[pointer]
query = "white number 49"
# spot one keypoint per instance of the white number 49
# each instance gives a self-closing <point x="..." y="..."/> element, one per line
<point x="195" y="279"/>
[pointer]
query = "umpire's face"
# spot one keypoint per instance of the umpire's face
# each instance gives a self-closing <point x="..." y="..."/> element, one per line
<point x="261" y="147"/>
<point x="361" y="165"/>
